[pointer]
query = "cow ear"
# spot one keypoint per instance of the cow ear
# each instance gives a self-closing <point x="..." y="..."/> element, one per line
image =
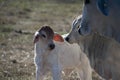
<point x="102" y="6"/>
<point x="58" y="38"/>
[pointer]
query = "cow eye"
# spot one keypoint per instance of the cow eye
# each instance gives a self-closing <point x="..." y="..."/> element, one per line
<point x="78" y="26"/>
<point x="87" y="1"/>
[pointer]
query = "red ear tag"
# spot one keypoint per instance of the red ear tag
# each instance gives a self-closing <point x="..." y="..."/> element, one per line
<point x="58" y="38"/>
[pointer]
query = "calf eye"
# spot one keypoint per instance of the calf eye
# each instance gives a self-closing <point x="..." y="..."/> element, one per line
<point x="43" y="35"/>
<point x="87" y="1"/>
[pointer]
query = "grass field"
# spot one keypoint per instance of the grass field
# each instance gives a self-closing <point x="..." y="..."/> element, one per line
<point x="19" y="19"/>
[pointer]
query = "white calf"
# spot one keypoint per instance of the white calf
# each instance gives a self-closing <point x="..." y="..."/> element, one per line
<point x="57" y="55"/>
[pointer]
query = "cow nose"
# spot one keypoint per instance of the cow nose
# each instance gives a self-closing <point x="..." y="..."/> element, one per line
<point x="79" y="31"/>
<point x="67" y="39"/>
<point x="51" y="46"/>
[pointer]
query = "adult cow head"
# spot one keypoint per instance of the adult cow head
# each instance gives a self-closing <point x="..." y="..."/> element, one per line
<point x="94" y="13"/>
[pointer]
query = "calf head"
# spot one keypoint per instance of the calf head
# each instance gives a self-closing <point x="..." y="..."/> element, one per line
<point x="44" y="37"/>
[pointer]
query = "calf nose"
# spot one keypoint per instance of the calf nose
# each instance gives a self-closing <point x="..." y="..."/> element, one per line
<point x="51" y="46"/>
<point x="67" y="39"/>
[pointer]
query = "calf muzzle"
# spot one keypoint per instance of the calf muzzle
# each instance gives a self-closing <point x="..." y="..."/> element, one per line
<point x="51" y="46"/>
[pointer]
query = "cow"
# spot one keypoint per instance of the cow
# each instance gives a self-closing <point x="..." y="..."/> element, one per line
<point x="103" y="52"/>
<point x="102" y="16"/>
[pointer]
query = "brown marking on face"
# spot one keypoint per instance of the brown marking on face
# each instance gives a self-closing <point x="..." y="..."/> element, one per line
<point x="49" y="32"/>
<point x="46" y="34"/>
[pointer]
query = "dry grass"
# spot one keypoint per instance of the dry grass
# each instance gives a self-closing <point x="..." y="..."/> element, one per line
<point x="19" y="19"/>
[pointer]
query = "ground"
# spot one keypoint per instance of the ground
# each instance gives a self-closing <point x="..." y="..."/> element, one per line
<point x="19" y="19"/>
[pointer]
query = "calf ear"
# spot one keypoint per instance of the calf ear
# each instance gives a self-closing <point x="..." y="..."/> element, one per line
<point x="58" y="38"/>
<point x="102" y="6"/>
<point x="36" y="38"/>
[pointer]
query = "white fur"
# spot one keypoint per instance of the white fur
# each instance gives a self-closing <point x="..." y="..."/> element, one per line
<point x="63" y="56"/>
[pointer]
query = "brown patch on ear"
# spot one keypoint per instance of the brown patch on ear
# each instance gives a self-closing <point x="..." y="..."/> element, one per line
<point x="58" y="38"/>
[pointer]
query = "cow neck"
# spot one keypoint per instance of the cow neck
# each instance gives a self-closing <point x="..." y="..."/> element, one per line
<point x="97" y="48"/>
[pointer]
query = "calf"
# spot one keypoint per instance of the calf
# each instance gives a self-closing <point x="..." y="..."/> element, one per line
<point x="54" y="54"/>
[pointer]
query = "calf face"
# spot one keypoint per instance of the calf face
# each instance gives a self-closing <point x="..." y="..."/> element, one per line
<point x="45" y="37"/>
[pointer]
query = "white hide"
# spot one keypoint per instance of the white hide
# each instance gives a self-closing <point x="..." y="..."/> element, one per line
<point x="64" y="56"/>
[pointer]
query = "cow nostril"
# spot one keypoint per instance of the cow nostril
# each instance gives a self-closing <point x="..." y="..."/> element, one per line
<point x="67" y="39"/>
<point x="79" y="31"/>
<point x="52" y="46"/>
